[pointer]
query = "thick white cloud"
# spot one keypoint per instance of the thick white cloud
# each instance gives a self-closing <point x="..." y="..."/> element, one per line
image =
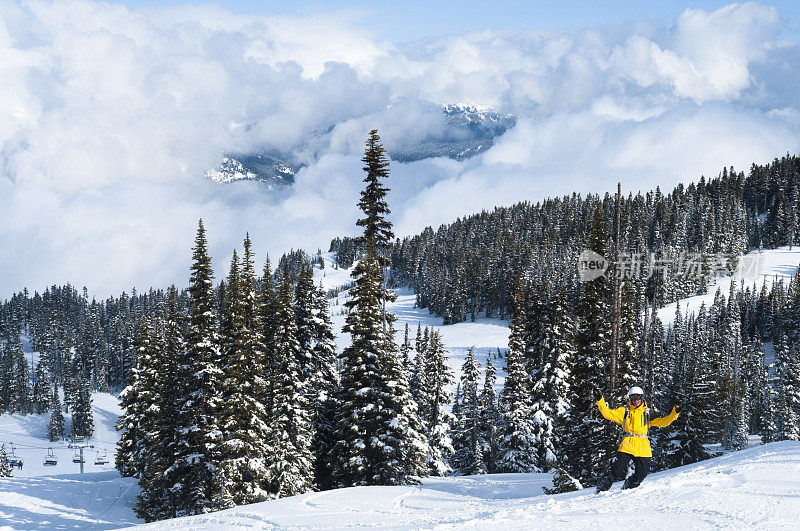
<point x="109" y="118"/>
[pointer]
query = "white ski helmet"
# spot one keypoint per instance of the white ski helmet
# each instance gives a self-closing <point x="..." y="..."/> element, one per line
<point x="635" y="390"/>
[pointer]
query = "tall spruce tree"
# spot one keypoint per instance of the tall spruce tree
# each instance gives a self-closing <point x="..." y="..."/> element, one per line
<point x="55" y="430"/>
<point x="375" y="431"/>
<point x="438" y="425"/>
<point x="197" y="453"/>
<point x="590" y="441"/>
<point x="517" y="441"/>
<point x="161" y="473"/>
<point x="269" y="309"/>
<point x="5" y="467"/>
<point x="82" y="418"/>
<point x="489" y="418"/>
<point x="377" y="229"/>
<point x="243" y="417"/>
<point x="326" y="378"/>
<point x="41" y="390"/>
<point x="550" y="390"/>
<point x="289" y="462"/>
<point x="467" y="436"/>
<point x="155" y="500"/>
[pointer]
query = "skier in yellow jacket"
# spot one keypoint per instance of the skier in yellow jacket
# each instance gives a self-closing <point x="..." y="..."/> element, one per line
<point x="635" y="420"/>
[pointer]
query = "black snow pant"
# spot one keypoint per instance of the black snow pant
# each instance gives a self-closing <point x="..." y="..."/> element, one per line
<point x="619" y="469"/>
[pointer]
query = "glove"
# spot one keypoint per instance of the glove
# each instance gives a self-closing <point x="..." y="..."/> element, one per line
<point x="598" y="395"/>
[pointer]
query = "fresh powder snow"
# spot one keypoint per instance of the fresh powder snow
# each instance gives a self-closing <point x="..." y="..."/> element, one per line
<point x="755" y="487"/>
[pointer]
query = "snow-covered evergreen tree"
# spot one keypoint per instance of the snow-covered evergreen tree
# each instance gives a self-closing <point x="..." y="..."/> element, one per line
<point x="82" y="418"/>
<point x="41" y="390"/>
<point x="376" y="437"/>
<point x="438" y="425"/>
<point x="590" y="441"/>
<point x="243" y="417"/>
<point x="289" y="462"/>
<point x="197" y="453"/>
<point x="5" y="467"/>
<point x="467" y="440"/>
<point x="55" y="429"/>
<point x="550" y="390"/>
<point x="325" y="386"/>
<point x="517" y="441"/>
<point x="489" y="418"/>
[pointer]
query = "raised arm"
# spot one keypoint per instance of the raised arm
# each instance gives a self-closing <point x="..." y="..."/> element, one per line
<point x="663" y="422"/>
<point x="614" y="415"/>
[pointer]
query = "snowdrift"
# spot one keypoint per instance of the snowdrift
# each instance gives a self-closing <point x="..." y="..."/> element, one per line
<point x="757" y="487"/>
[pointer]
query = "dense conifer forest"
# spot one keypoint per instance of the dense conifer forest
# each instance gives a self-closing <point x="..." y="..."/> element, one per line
<point x="234" y="392"/>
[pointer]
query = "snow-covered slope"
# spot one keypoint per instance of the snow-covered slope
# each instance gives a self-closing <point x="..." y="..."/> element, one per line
<point x="485" y="335"/>
<point x="756" y="268"/>
<point x="48" y="497"/>
<point x="753" y="488"/>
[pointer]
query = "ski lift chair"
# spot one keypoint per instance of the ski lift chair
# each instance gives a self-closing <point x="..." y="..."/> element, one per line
<point x="76" y="458"/>
<point x="14" y="459"/>
<point x="102" y="458"/>
<point x="50" y="459"/>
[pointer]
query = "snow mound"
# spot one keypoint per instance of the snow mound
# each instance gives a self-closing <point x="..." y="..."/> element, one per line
<point x="752" y="488"/>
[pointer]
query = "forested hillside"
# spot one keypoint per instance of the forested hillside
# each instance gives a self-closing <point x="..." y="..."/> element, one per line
<point x="234" y="393"/>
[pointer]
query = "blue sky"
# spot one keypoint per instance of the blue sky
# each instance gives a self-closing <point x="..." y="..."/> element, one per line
<point x="415" y="19"/>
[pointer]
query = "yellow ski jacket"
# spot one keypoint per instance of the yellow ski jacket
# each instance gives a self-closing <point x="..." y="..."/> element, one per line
<point x="635" y="441"/>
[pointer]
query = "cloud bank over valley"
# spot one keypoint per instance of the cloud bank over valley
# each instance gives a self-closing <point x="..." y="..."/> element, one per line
<point x="110" y="119"/>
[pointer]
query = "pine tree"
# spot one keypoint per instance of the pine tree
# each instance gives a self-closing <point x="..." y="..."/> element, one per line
<point x="18" y="390"/>
<point x="741" y="427"/>
<point x="405" y="350"/>
<point x="590" y="441"/>
<point x="377" y="439"/>
<point x="551" y="390"/>
<point x="196" y="454"/>
<point x="5" y="467"/>
<point x="82" y="418"/>
<point x="489" y="418"/>
<point x="562" y="482"/>
<point x="154" y="417"/>
<point x="468" y="455"/>
<point x="689" y="428"/>
<point x="304" y="320"/>
<point x="55" y="430"/>
<point x="517" y="444"/>
<point x="289" y="463"/>
<point x="41" y="390"/>
<point x="246" y="433"/>
<point x="136" y="400"/>
<point x="377" y="229"/>
<point x="163" y="479"/>
<point x="269" y="309"/>
<point x="324" y="388"/>
<point x="790" y="390"/>
<point x="438" y="424"/>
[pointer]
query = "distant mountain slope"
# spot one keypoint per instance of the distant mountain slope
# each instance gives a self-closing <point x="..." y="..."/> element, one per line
<point x="468" y="131"/>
